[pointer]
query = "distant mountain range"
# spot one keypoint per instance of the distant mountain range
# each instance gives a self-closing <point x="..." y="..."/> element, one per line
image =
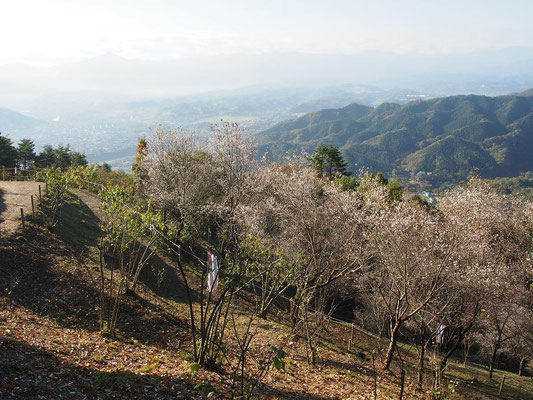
<point x="441" y="139"/>
<point x="108" y="132"/>
<point x="14" y="122"/>
<point x="103" y="104"/>
<point x="96" y="83"/>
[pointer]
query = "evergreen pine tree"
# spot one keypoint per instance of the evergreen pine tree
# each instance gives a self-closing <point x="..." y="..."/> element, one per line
<point x="25" y="153"/>
<point x="328" y="161"/>
<point x="8" y="153"/>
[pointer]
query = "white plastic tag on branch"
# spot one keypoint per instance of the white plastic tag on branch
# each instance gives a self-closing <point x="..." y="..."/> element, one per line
<point x="212" y="277"/>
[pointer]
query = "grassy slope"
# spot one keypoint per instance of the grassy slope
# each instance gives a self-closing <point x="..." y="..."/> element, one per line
<point x="50" y="344"/>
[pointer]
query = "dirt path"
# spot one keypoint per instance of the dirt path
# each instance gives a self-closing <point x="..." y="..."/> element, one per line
<point x="13" y="197"/>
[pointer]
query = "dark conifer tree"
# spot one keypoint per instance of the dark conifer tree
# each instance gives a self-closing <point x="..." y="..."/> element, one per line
<point x="25" y="153"/>
<point x="328" y="161"/>
<point x="8" y="153"/>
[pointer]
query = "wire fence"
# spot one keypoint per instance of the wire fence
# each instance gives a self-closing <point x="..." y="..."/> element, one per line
<point x="19" y="174"/>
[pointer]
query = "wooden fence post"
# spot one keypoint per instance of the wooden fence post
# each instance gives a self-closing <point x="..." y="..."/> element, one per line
<point x="40" y="197"/>
<point x="501" y="386"/>
<point x="3" y="173"/>
<point x="32" y="209"/>
<point x="22" y="217"/>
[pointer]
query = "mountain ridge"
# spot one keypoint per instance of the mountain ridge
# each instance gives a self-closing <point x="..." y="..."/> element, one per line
<point x="13" y="121"/>
<point x="448" y="136"/>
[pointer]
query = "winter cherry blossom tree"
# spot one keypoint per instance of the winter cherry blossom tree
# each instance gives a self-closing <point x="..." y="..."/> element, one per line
<point x="314" y="225"/>
<point x="411" y="259"/>
<point x="279" y="226"/>
<point x="520" y="344"/>
<point x="200" y="186"/>
<point x="493" y="255"/>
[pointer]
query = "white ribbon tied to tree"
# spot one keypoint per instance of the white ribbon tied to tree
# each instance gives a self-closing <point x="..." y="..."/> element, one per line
<point x="439" y="337"/>
<point x="212" y="277"/>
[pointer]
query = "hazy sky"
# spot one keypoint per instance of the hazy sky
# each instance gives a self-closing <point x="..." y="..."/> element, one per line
<point x="50" y="31"/>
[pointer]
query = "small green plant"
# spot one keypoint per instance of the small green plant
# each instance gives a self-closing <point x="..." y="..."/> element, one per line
<point x="149" y="367"/>
<point x="452" y="386"/>
<point x="129" y="243"/>
<point x="443" y="394"/>
<point x="278" y="361"/>
<point x="194" y="368"/>
<point x="205" y="388"/>
<point x="186" y="356"/>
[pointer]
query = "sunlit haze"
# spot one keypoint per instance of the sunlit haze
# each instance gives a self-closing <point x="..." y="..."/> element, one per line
<point x="99" y="74"/>
<point x="48" y="32"/>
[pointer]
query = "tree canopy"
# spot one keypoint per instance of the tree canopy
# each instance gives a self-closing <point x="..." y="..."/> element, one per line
<point x="8" y="153"/>
<point x="62" y="157"/>
<point x="25" y="153"/>
<point x="328" y="161"/>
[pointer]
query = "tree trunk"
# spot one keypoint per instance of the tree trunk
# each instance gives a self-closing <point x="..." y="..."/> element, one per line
<point x="521" y="367"/>
<point x="444" y="360"/>
<point x="421" y="365"/>
<point x="442" y="365"/>
<point x="392" y="346"/>
<point x="467" y="351"/>
<point x="493" y="361"/>
<point x="402" y="384"/>
<point x="295" y="305"/>
<point x="265" y="308"/>
<point x="292" y="315"/>
<point x="498" y="360"/>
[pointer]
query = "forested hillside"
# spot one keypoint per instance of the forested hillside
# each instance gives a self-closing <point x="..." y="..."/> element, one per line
<point x="444" y="139"/>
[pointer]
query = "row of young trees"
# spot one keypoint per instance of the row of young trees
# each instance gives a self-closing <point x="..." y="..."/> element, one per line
<point x="23" y="155"/>
<point x="307" y="231"/>
<point x="318" y="234"/>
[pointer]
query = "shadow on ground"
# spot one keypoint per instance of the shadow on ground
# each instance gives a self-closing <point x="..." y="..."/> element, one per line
<point x="345" y="366"/>
<point x="290" y="394"/>
<point x="29" y="372"/>
<point x="78" y="226"/>
<point x="44" y="275"/>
